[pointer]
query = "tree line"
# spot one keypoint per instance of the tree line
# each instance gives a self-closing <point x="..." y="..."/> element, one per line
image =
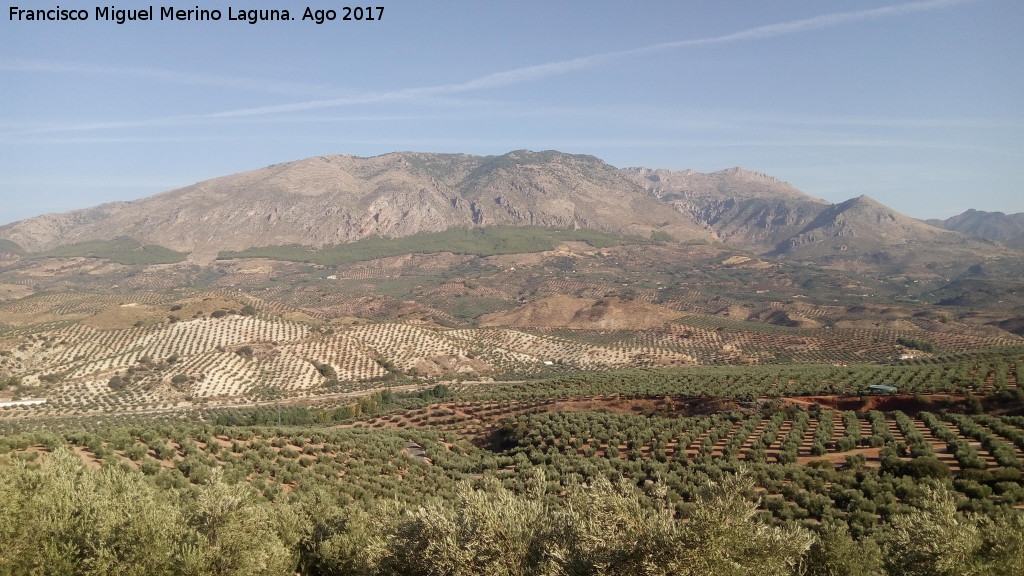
<point x="64" y="518"/>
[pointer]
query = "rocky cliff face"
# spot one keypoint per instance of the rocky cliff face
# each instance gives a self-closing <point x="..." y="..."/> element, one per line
<point x="743" y="208"/>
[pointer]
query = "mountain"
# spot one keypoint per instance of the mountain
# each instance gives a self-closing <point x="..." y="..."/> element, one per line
<point x="1007" y="228"/>
<point x="742" y="208"/>
<point x="335" y="200"/>
<point x="339" y="199"/>
<point x="864" y="227"/>
<point x="757" y="212"/>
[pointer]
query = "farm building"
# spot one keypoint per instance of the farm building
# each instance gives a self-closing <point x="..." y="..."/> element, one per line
<point x="881" y="389"/>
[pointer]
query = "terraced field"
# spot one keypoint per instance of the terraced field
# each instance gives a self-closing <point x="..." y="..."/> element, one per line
<point x="165" y="351"/>
<point x="801" y="452"/>
<point x="857" y="462"/>
<point x="639" y="428"/>
<point x="90" y="336"/>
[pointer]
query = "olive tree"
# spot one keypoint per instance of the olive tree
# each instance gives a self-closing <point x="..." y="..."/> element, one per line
<point x="933" y="540"/>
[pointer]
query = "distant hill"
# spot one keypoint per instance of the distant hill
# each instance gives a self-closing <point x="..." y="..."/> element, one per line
<point x="757" y="212"/>
<point x="862" y="226"/>
<point x="1006" y="228"/>
<point x="335" y="200"/>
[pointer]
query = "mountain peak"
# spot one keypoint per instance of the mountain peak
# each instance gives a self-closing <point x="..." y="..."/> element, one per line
<point x="863" y="201"/>
<point x="735" y="182"/>
<point x="741" y="172"/>
<point x="864" y="228"/>
<point x="989" y="225"/>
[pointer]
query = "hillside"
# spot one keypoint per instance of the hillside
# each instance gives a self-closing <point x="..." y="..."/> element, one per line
<point x="93" y="336"/>
<point x="339" y="199"/>
<point x="1006" y="228"/>
<point x="331" y="275"/>
<point x="745" y="209"/>
<point x="757" y="212"/>
<point x="865" y="227"/>
<point x="335" y="200"/>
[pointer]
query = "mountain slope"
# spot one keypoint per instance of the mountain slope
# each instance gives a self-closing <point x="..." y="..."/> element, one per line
<point x="1006" y="228"/>
<point x="338" y="199"/>
<point x="736" y="182"/>
<point x="756" y="212"/>
<point x="863" y="227"/>
<point x="341" y="199"/>
<point x="988" y="225"/>
<point x="745" y="209"/>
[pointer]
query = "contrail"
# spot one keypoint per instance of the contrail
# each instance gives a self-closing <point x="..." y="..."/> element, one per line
<point x="496" y="80"/>
<point x="539" y="71"/>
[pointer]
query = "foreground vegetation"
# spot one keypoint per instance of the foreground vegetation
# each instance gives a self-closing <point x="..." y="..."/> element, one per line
<point x="62" y="518"/>
<point x="502" y="479"/>
<point x="336" y="416"/>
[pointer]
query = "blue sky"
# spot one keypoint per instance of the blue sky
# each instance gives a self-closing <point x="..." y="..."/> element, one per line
<point x="917" y="104"/>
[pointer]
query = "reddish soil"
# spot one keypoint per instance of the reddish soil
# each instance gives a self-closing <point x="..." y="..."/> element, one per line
<point x="872" y="455"/>
<point x="908" y="403"/>
<point x="674" y="407"/>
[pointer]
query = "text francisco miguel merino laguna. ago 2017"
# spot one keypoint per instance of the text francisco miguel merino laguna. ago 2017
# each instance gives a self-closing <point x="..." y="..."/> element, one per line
<point x="118" y="15"/>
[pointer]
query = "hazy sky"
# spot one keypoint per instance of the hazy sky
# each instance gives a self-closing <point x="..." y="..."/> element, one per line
<point x="917" y="104"/>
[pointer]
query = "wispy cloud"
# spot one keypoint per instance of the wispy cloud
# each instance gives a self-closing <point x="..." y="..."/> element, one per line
<point x="540" y="71"/>
<point x="166" y="76"/>
<point x="425" y="94"/>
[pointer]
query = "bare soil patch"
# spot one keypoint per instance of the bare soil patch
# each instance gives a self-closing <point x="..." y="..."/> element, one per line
<point x="838" y="458"/>
<point x="14" y="291"/>
<point x="572" y="312"/>
<point x="125" y="316"/>
<point x="908" y="403"/>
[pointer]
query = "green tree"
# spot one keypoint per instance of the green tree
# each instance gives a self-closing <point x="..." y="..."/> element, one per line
<point x="350" y="541"/>
<point x="64" y="519"/>
<point x="1003" y="544"/>
<point x="836" y="553"/>
<point x="609" y="530"/>
<point x="233" y="532"/>
<point x="723" y="537"/>
<point x="491" y="531"/>
<point x="934" y="540"/>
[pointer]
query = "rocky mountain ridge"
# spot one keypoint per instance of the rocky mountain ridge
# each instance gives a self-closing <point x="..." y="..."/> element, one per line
<point x="339" y="199"/>
<point x="1006" y="228"/>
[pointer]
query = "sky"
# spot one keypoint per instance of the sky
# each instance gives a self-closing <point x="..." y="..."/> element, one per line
<point x="919" y="105"/>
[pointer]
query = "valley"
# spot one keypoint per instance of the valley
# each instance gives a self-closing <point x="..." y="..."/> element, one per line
<point x="529" y="336"/>
<point x="254" y="328"/>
